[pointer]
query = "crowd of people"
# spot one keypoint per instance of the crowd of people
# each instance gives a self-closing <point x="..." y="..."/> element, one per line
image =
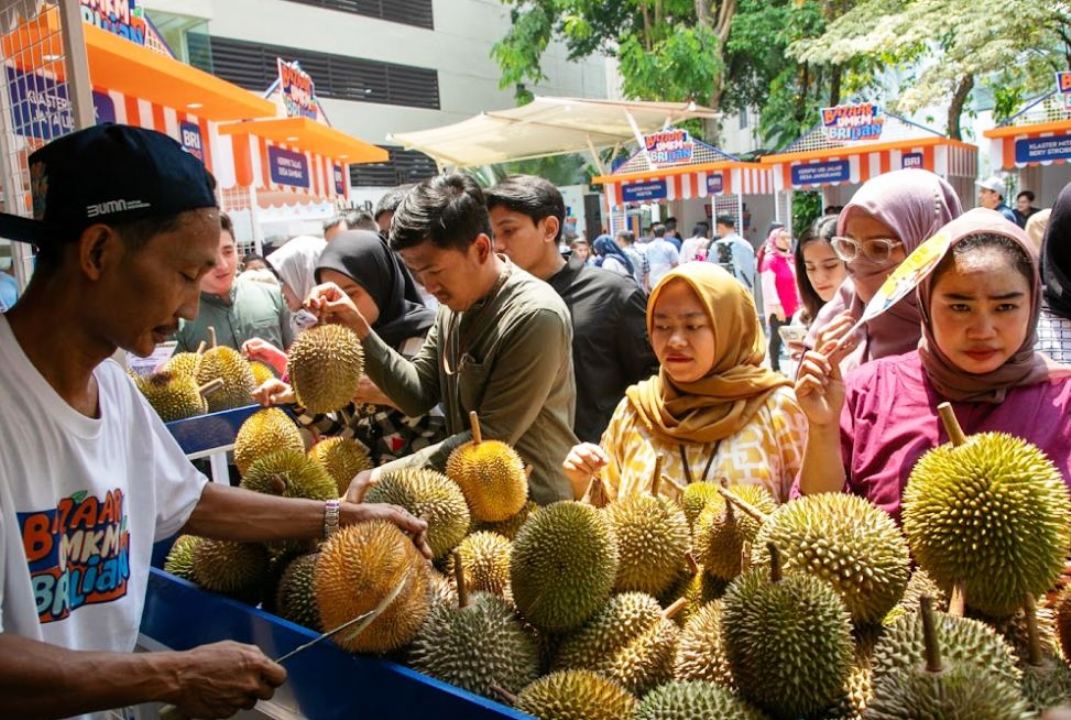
<point x="601" y="361"/>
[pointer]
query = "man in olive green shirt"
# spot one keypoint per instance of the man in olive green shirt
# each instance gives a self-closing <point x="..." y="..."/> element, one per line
<point x="500" y="346"/>
<point x="239" y="311"/>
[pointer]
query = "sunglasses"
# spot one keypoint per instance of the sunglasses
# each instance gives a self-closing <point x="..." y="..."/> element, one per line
<point x="877" y="250"/>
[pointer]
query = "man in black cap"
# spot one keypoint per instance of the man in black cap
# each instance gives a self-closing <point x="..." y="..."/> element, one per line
<point x="126" y="225"/>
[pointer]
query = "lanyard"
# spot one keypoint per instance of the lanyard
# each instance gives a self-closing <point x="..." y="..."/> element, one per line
<point x="706" y="468"/>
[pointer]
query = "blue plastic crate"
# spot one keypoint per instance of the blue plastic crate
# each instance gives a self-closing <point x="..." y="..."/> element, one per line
<point x="324" y="681"/>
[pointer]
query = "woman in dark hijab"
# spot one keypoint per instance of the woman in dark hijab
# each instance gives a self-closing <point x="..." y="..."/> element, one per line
<point x="1054" y="325"/>
<point x="362" y="265"/>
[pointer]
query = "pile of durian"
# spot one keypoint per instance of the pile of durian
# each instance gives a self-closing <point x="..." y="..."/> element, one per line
<point x="717" y="604"/>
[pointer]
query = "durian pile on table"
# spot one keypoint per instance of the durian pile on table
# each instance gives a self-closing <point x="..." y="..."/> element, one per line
<point x="716" y="603"/>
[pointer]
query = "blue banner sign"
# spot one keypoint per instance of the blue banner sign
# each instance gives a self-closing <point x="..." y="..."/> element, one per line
<point x="641" y="192"/>
<point x="820" y="173"/>
<point x="715" y="183"/>
<point x="911" y="160"/>
<point x="288" y="167"/>
<point x="1042" y="149"/>
<point x="40" y="108"/>
<point x="340" y="179"/>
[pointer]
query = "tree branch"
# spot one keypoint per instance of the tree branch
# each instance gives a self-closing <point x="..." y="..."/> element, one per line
<point x="955" y="107"/>
<point x="725" y="20"/>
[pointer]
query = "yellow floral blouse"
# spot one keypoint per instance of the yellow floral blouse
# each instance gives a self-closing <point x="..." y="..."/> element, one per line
<point x="767" y="451"/>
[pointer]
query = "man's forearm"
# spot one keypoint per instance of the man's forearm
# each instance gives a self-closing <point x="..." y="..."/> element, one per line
<point x="398" y="378"/>
<point x="822" y="469"/>
<point x="227" y="513"/>
<point x="38" y="680"/>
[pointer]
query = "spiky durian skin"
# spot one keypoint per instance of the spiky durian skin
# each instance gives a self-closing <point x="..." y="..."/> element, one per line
<point x="184" y="363"/>
<point x="228" y="364"/>
<point x="491" y="475"/>
<point x="485" y="562"/>
<point x="1047" y="685"/>
<point x="846" y="541"/>
<point x="476" y="647"/>
<point x="993" y="514"/>
<point x="789" y="644"/>
<point x="509" y="527"/>
<point x="696" y="497"/>
<point x="261" y="372"/>
<point x="576" y="695"/>
<point x="325" y="365"/>
<point x="652" y="540"/>
<point x="961" y="640"/>
<point x="342" y="458"/>
<point x="628" y="641"/>
<point x="263" y="433"/>
<point x="960" y="691"/>
<point x="700" y="653"/>
<point x="1063" y="620"/>
<point x="697" y="588"/>
<point x="563" y="565"/>
<point x="919" y="585"/>
<point x="358" y="567"/>
<point x="172" y="396"/>
<point x="1014" y="631"/>
<point x="694" y="700"/>
<point x="180" y="558"/>
<point x="237" y="569"/>
<point x="430" y="496"/>
<point x="722" y="531"/>
<point x="295" y="598"/>
<point x="291" y="474"/>
<point x="440" y="590"/>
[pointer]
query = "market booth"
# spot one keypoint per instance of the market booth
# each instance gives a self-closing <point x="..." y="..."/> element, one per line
<point x="1035" y="145"/>
<point x="699" y="180"/>
<point x="853" y="143"/>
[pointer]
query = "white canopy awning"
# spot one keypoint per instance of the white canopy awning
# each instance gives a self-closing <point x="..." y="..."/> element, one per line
<point x="546" y="126"/>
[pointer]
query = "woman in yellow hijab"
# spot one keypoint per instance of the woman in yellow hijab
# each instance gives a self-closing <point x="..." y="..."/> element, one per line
<point x="713" y="413"/>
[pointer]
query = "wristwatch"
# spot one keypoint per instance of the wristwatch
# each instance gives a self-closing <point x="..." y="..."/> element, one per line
<point x="331" y="514"/>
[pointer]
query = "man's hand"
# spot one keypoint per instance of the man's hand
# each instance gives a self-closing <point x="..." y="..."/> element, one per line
<point x="265" y="352"/>
<point x="329" y="304"/>
<point x="360" y="484"/>
<point x="414" y="527"/>
<point x="274" y="392"/>
<point x="218" y="680"/>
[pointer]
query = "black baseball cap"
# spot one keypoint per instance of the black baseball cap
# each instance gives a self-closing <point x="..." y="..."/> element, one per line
<point x="108" y="174"/>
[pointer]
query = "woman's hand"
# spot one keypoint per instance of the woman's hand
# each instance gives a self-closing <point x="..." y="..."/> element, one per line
<point x="820" y="388"/>
<point x="329" y="304"/>
<point x="265" y="352"/>
<point x="835" y="331"/>
<point x="796" y="348"/>
<point x="583" y="461"/>
<point x="274" y="392"/>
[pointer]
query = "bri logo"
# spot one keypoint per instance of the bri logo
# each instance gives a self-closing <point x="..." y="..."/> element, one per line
<point x="114" y="206"/>
<point x="78" y="554"/>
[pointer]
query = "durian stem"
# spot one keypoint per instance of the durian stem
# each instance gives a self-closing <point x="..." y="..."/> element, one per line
<point x="957" y="601"/>
<point x="459" y="578"/>
<point x="952" y="427"/>
<point x="742" y="505"/>
<point x="504" y="693"/>
<point x="474" y="423"/>
<point x="775" y="563"/>
<point x="693" y="566"/>
<point x="656" y="479"/>
<point x="528" y="470"/>
<point x="210" y="387"/>
<point x="745" y="556"/>
<point x="1033" y="637"/>
<point x="201" y="347"/>
<point x="674" y="609"/>
<point x="211" y="336"/>
<point x="929" y="635"/>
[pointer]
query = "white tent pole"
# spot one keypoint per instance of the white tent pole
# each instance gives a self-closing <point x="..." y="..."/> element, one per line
<point x="79" y="89"/>
<point x="595" y="156"/>
<point x="639" y="137"/>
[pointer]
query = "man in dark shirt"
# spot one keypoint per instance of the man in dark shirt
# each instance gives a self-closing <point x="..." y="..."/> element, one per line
<point x="610" y="346"/>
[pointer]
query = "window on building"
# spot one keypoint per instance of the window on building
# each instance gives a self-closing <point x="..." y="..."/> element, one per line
<point x="410" y="12"/>
<point x="253" y="66"/>
<point x="743" y="119"/>
<point x="403" y="167"/>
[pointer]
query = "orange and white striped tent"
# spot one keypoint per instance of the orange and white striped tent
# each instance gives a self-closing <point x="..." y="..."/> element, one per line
<point x="1037" y="136"/>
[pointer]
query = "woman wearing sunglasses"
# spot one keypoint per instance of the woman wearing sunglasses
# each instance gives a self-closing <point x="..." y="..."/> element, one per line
<point x="887" y="218"/>
<point x="979" y="314"/>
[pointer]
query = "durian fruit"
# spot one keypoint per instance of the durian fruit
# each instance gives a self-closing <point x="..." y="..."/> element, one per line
<point x="237" y="569"/>
<point x="846" y="541"/>
<point x="694" y="700"/>
<point x="179" y="560"/>
<point x="359" y="566"/>
<point x="485" y="558"/>
<point x="186" y="363"/>
<point x="652" y="540"/>
<point x="696" y="587"/>
<point x="563" y="565"/>
<point x="172" y="396"/>
<point x="440" y="590"/>
<point x="265" y="432"/>
<point x="576" y="695"/>
<point x="1015" y="631"/>
<point x="430" y="496"/>
<point x="491" y="475"/>
<point x="477" y="644"/>
<point x="325" y="365"/>
<point x="920" y="584"/>
<point x="1063" y="620"/>
<point x="343" y="458"/>
<point x="291" y="474"/>
<point x="630" y="640"/>
<point x="228" y="365"/>
<point x="696" y="497"/>
<point x="509" y="527"/>
<point x="1046" y="677"/>
<point x="993" y="514"/>
<point x="943" y="683"/>
<point x="723" y="529"/>
<point x="261" y="372"/>
<point x="788" y="639"/>
<point x="700" y="651"/>
<point x="295" y="597"/>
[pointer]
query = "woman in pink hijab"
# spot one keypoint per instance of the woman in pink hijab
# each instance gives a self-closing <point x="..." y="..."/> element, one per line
<point x="885" y="221"/>
<point x="978" y="319"/>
